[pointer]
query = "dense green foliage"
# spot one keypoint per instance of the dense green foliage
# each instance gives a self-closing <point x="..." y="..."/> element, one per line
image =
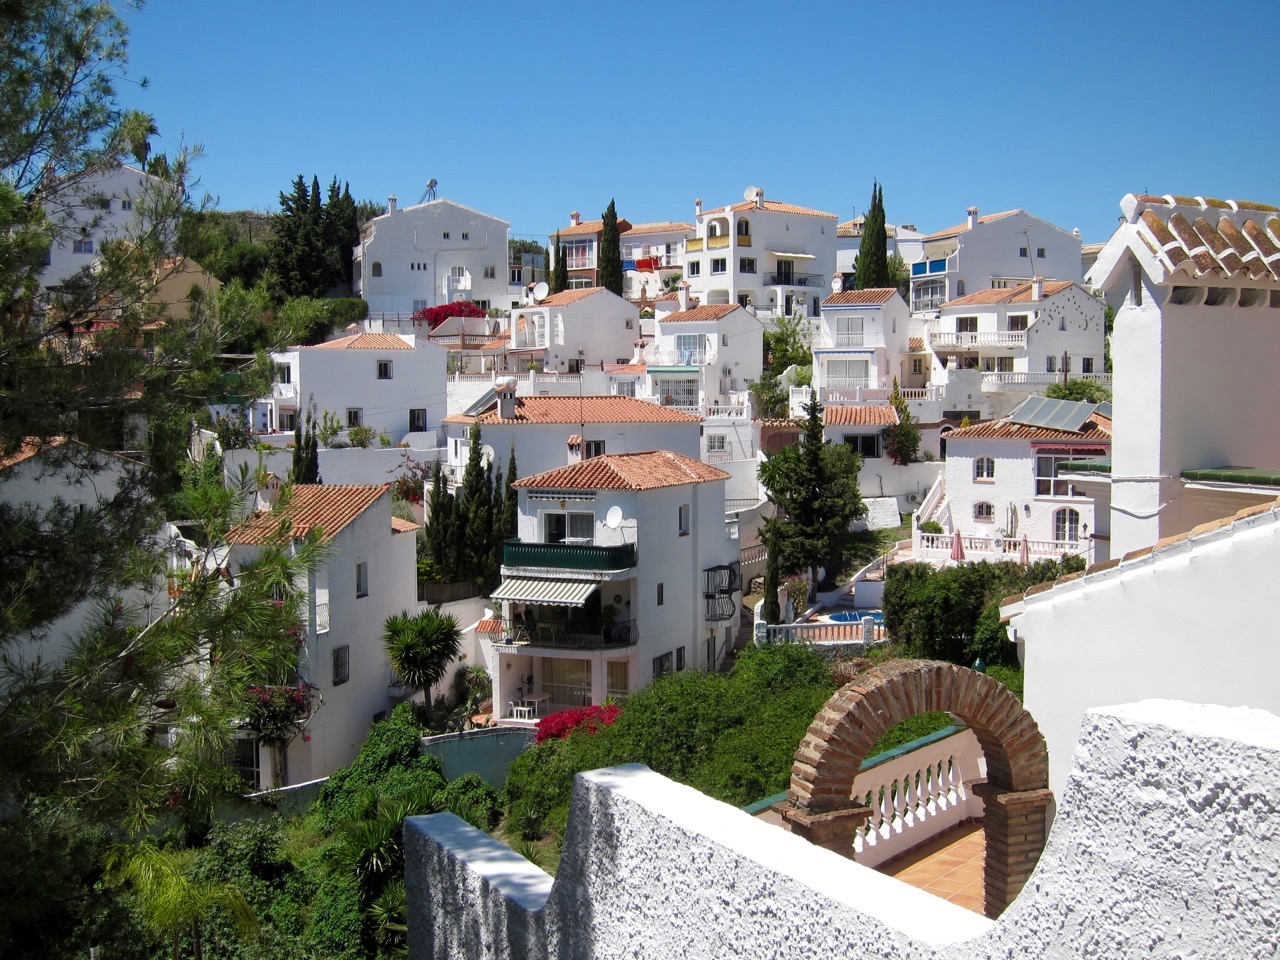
<point x="310" y="248"/>
<point x="953" y="614"/>
<point x="420" y="647"/>
<point x="872" y="268"/>
<point x="730" y="735"/>
<point x="1085" y="391"/>
<point x="902" y="440"/>
<point x="610" y="259"/>
<point x="559" y="279"/>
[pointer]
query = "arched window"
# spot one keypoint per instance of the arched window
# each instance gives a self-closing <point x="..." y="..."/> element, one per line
<point x="744" y="227"/>
<point x="713" y="229"/>
<point x="959" y="288"/>
<point x="984" y="512"/>
<point x="1066" y="525"/>
<point x="377" y="268"/>
<point x="984" y="468"/>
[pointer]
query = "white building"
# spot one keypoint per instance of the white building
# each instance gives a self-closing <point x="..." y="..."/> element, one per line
<point x="1022" y="339"/>
<point x="580" y="241"/>
<point x="95" y="210"/>
<point x="859" y="344"/>
<point x="998" y="251"/>
<point x="624" y="570"/>
<point x="704" y="356"/>
<point x="571" y="330"/>
<point x="774" y="256"/>
<point x="651" y="256"/>
<point x="1002" y="483"/>
<point x="430" y="254"/>
<point x="902" y="241"/>
<point x="552" y="431"/>
<point x="368" y="573"/>
<point x="1196" y="287"/>
<point x="392" y="383"/>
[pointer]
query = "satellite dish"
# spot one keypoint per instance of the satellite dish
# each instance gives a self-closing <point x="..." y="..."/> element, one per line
<point x="430" y="192"/>
<point x="613" y="519"/>
<point x="752" y="193"/>
<point x="486" y="454"/>
<point x="540" y="291"/>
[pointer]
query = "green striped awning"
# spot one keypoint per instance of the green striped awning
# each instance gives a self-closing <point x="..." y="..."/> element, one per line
<point x="559" y="593"/>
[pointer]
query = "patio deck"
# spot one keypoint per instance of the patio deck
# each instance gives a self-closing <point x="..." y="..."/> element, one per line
<point x="948" y="866"/>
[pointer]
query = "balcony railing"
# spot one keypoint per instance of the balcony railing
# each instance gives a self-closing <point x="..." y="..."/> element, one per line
<point x="693" y="245"/>
<point x="283" y="391"/>
<point x="847" y="383"/>
<point x="576" y="634"/>
<point x="997" y="380"/>
<point x="744" y="241"/>
<point x="679" y="358"/>
<point x="952" y="338"/>
<point x="566" y="556"/>
<point x="836" y="341"/>
<point x="795" y="280"/>
<point x="716" y="243"/>
<point x="922" y="304"/>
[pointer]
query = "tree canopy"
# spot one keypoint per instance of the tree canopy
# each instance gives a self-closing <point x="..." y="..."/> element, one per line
<point x="872" y="268"/>
<point x="610" y="259"/>
<point x="310" y="248"/>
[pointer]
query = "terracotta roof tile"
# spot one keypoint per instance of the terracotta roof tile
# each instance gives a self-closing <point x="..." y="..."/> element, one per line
<point x="915" y="344"/>
<point x="712" y="311"/>
<point x="625" y="367"/>
<point x="1206" y="238"/>
<point x="30" y="447"/>
<point x="1097" y="430"/>
<point x="569" y="409"/>
<point x="590" y="227"/>
<point x="489" y="626"/>
<point x="663" y="227"/>
<point x="566" y="297"/>
<point x="400" y="525"/>
<point x="364" y="341"/>
<point x="860" y="415"/>
<point x="963" y="227"/>
<point x="776" y="206"/>
<point x="853" y="228"/>
<point x="1018" y="294"/>
<point x="857" y="297"/>
<point x="627" y="471"/>
<point x="312" y="506"/>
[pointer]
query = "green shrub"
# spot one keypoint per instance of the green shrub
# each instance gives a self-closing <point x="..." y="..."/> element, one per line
<point x="471" y="797"/>
<point x="1011" y="677"/>
<point x="913" y="728"/>
<point x="931" y="526"/>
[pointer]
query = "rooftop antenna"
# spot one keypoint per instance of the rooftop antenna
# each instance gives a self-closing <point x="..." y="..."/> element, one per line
<point x="430" y="192"/>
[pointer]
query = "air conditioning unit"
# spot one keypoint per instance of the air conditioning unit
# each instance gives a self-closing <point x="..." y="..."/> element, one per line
<point x="726" y="371"/>
<point x="913" y="498"/>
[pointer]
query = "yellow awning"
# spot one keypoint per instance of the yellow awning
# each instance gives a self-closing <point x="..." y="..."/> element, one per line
<point x="558" y="593"/>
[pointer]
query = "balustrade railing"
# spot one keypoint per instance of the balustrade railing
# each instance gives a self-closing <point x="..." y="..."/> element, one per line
<point x="958" y="339"/>
<point x="795" y="280"/>
<point x="1023" y="379"/>
<point x="999" y="548"/>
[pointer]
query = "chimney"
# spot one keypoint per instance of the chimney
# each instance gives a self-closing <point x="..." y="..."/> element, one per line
<point x="837" y="283"/>
<point x="391" y="205"/>
<point x="575" y="218"/>
<point x="697" y="207"/>
<point x="505" y="390"/>
<point x="973" y="217"/>
<point x="1037" y="289"/>
<point x="682" y="291"/>
<point x="759" y="199"/>
<point x="637" y="355"/>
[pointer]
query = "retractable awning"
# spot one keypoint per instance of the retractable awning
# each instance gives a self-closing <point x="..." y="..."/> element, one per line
<point x="793" y="256"/>
<point x="558" y="593"/>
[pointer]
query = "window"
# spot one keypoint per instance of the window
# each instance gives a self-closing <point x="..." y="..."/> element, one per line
<point x="516" y="276"/>
<point x="679" y="658"/>
<point x="126" y="204"/>
<point x="482" y="304"/>
<point x="384" y="369"/>
<point x="928" y="294"/>
<point x="744" y="229"/>
<point x="355" y="416"/>
<point x="417" y="419"/>
<point x="570" y="528"/>
<point x="848" y="374"/>
<point x="683" y="393"/>
<point x="689" y="347"/>
<point x="661" y="665"/>
<point x="288" y="419"/>
<point x="341" y="664"/>
<point x="917" y="365"/>
<point x="445" y="235"/>
<point x="682" y="519"/>
<point x="866" y="445"/>
<point x="744" y="300"/>
<point x="959" y="288"/>
<point x="1040" y="252"/>
<point x="1047" y="482"/>
<point x="624" y="388"/>
<point x="419" y="305"/>
<point x="716" y="443"/>
<point x="1086" y="364"/>
<point x="1050" y="364"/>
<point x="592" y="448"/>
<point x="1066" y="526"/>
<point x="849" y="331"/>
<point x="491" y="273"/>
<point x="376" y="269"/>
<point x="1018" y="324"/>
<point x="457" y="272"/>
<point x="719" y="264"/>
<point x="984" y="512"/>
<point x="724" y="339"/>
<point x="580" y="254"/>
<point x="246" y="761"/>
<point x="1004" y="364"/>
<point x="660" y="597"/>
<point x="1062" y="322"/>
<point x="966" y="324"/>
<point x="693" y="268"/>
<point x="1022" y="251"/>
<point x="580" y="283"/>
<point x="284" y="373"/>
<point x="574" y="365"/>
<point x="746" y="264"/>
<point x="362" y="579"/>
<point x="465" y="235"/>
<point x="82" y="246"/>
<point x="984" y="468"/>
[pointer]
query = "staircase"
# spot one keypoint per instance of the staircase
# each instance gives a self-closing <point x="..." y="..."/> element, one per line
<point x="746" y="630"/>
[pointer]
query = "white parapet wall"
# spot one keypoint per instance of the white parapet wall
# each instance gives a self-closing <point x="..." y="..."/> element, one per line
<point x="1166" y="844"/>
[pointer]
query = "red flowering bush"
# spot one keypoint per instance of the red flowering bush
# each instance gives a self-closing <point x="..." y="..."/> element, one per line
<point x="557" y="726"/>
<point x="434" y="316"/>
<point x="273" y="712"/>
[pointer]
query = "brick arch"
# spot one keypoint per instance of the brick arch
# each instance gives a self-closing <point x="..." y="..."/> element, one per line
<point x="1015" y="793"/>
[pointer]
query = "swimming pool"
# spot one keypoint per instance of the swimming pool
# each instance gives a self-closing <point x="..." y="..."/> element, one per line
<point x="856" y="616"/>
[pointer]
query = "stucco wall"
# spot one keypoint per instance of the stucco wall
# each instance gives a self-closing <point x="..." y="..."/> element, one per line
<point x="1165" y="847"/>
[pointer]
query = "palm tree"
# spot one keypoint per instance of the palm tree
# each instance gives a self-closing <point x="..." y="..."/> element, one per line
<point x="421" y="647"/>
<point x="173" y="903"/>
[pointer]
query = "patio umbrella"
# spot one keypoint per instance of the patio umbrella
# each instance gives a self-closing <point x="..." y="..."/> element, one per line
<point x="957" y="547"/>
<point x="1024" y="552"/>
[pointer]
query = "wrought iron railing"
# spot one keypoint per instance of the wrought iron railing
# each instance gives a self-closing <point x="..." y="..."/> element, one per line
<point x="563" y="556"/>
<point x="582" y="634"/>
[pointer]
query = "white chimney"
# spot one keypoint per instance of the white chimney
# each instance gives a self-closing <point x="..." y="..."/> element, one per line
<point x="505" y="389"/>
<point x="837" y="283"/>
<point x="391" y="205"/>
<point x="637" y="355"/>
<point x="973" y="217"/>
<point x="697" y="207"/>
<point x="575" y="218"/>
<point x="682" y="292"/>
<point x="759" y="199"/>
<point x="1037" y="288"/>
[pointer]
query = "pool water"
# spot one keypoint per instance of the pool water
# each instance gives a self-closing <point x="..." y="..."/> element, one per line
<point x="856" y="616"/>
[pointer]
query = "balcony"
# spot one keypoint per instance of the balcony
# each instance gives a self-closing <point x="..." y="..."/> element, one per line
<point x="956" y="340"/>
<point x="717" y="243"/>
<point x="841" y="341"/>
<point x="744" y="241"/>
<point x="576" y="633"/>
<point x="1037" y="381"/>
<point x="795" y="280"/>
<point x="568" y="556"/>
<point x="693" y="246"/>
<point x="926" y="304"/>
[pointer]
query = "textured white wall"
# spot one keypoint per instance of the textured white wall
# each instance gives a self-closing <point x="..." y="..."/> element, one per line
<point x="1165" y="846"/>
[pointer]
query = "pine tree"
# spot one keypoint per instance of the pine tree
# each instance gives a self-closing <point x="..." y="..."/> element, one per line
<point x="510" y="499"/>
<point x="559" y="275"/>
<point x="441" y="545"/>
<point x="341" y="233"/>
<point x="610" y="261"/>
<point x="873" y="255"/>
<point x="472" y="512"/>
<point x="901" y="441"/>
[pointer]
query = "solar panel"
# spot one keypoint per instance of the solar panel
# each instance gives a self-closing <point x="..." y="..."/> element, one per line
<point x="1104" y="408"/>
<point x="1053" y="414"/>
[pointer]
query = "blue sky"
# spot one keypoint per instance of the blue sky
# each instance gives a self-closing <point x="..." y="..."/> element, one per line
<point x="530" y="110"/>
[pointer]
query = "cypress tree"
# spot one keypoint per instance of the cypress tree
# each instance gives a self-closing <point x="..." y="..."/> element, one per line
<point x="559" y="275"/>
<point x="873" y="255"/>
<point x="438" y="531"/>
<point x="610" y="261"/>
<point x="472" y="524"/>
<point x="510" y="499"/>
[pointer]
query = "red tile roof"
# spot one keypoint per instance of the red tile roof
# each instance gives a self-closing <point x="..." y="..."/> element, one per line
<point x="566" y="297"/>
<point x="364" y="341"/>
<point x="30" y="447"/>
<point x="489" y="626"/>
<point x="1201" y="237"/>
<point x="746" y="206"/>
<point x="1018" y="294"/>
<point x="625" y="367"/>
<point x="591" y="227"/>
<point x="627" y="471"/>
<point x="853" y="228"/>
<point x="569" y="409"/>
<point x="963" y="227"/>
<point x="1097" y="430"/>
<point x="400" y="525"/>
<point x="915" y="344"/>
<point x="330" y="509"/>
<point x="860" y="416"/>
<point x="858" y="297"/>
<point x="665" y="227"/>
<point x="712" y="311"/>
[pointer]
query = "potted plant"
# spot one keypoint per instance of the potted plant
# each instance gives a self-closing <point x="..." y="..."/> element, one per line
<point x="608" y="620"/>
